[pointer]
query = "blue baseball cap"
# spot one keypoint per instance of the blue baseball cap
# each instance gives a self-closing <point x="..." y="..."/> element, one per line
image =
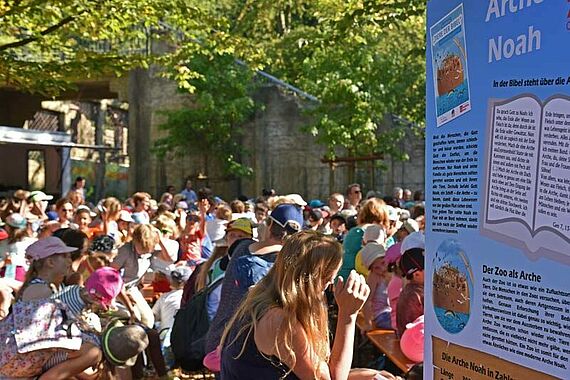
<point x="288" y="215"/>
<point x="316" y="203"/>
<point x="52" y="215"/>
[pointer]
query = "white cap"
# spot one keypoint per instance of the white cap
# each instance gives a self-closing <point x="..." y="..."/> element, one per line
<point x="411" y="225"/>
<point x="371" y="252"/>
<point x="413" y="240"/>
<point x="296" y="199"/>
<point x="375" y="233"/>
<point x="126" y="216"/>
<point x="393" y="213"/>
<point x="85" y="208"/>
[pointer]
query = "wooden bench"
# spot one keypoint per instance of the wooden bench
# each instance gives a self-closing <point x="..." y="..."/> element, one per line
<point x="388" y="343"/>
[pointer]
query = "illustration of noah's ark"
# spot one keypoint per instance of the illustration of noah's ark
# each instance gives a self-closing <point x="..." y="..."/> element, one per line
<point x="449" y="74"/>
<point x="451" y="290"/>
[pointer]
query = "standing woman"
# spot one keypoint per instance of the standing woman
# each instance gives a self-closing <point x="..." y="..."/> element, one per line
<point x="281" y="329"/>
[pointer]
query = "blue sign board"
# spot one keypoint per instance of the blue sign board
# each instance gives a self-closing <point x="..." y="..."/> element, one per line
<point x="497" y="296"/>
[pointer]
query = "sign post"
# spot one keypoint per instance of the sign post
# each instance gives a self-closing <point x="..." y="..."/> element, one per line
<point x="497" y="296"/>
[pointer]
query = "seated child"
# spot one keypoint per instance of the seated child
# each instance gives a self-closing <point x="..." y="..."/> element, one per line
<point x="373" y="233"/>
<point x="411" y="301"/>
<point x="376" y="309"/>
<point x="392" y="259"/>
<point x="167" y="306"/>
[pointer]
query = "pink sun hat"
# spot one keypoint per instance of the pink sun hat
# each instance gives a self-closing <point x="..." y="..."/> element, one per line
<point x="393" y="253"/>
<point x="105" y="283"/>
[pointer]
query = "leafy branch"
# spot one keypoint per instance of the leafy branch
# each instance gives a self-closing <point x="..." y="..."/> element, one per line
<point x="44" y="32"/>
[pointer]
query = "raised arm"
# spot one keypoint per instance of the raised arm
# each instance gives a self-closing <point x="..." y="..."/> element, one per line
<point x="350" y="297"/>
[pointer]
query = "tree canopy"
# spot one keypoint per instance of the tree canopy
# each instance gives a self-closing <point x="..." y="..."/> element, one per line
<point x="360" y="58"/>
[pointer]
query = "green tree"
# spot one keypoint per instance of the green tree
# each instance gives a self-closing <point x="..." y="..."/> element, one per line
<point x="362" y="59"/>
<point x="46" y="45"/>
<point x="211" y="127"/>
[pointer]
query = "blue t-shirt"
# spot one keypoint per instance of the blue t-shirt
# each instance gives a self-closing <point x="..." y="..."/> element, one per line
<point x="190" y="195"/>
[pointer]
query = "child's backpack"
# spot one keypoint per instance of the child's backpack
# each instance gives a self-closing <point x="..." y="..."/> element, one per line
<point x="191" y="324"/>
<point x="30" y="335"/>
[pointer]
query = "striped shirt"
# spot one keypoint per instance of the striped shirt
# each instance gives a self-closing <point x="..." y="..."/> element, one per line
<point x="70" y="295"/>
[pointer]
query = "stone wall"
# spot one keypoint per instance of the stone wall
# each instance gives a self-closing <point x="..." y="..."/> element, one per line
<point x="282" y="156"/>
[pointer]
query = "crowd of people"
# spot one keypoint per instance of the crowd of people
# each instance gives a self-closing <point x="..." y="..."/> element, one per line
<point x="265" y="274"/>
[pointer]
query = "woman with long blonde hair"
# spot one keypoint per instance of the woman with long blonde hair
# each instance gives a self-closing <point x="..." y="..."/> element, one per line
<point x="281" y="329"/>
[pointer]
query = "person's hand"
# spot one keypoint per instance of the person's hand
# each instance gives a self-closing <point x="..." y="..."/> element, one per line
<point x="351" y="295"/>
<point x="203" y="206"/>
<point x="103" y="213"/>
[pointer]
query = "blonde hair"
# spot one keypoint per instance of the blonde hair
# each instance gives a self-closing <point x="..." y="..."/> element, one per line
<point x="113" y="207"/>
<point x="75" y="198"/>
<point x="295" y="284"/>
<point x="204" y="271"/>
<point x="224" y="213"/>
<point x="145" y="236"/>
<point x="139" y="197"/>
<point x="165" y="223"/>
<point x="374" y="211"/>
<point x="237" y="206"/>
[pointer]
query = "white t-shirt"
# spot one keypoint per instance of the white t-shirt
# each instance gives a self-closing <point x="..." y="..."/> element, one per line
<point x="16" y="251"/>
<point x="166" y="307"/>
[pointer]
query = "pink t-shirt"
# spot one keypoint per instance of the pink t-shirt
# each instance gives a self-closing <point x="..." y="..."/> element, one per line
<point x="394" y="290"/>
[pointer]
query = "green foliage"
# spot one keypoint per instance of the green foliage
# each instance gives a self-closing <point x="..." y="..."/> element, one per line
<point x="212" y="125"/>
<point x="361" y="58"/>
<point x="46" y="45"/>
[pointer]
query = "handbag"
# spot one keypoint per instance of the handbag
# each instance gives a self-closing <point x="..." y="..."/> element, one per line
<point x="43" y="324"/>
<point x="31" y="334"/>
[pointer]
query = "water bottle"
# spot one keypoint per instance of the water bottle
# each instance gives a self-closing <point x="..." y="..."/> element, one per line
<point x="10" y="271"/>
